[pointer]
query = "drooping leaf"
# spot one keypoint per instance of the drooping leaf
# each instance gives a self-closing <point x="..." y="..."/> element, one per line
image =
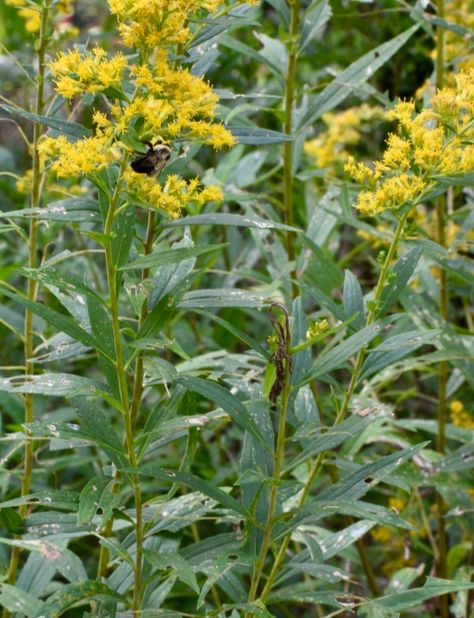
<point x="73" y="129"/>
<point x="70" y="594"/>
<point x="228" y="402"/>
<point x="354" y="76"/>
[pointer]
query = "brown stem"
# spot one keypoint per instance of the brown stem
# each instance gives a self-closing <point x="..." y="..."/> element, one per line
<point x="288" y="197"/>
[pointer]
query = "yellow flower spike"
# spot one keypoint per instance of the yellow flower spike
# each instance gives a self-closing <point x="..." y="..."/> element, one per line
<point x="173" y="196"/>
<point x="75" y="72"/>
<point x="317" y="329"/>
<point x="343" y="129"/>
<point x="460" y="417"/>
<point x="83" y="157"/>
<point x="148" y="24"/>
<point x="403" y="112"/>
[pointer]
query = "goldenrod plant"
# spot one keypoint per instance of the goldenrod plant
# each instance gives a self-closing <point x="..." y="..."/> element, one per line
<point x="236" y="369"/>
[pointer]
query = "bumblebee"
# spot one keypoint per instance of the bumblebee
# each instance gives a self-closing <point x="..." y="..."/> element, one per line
<point x="153" y="161"/>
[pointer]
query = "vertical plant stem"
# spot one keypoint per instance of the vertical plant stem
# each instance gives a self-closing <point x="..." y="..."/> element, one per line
<point x="443" y="309"/>
<point x="123" y="388"/>
<point x="288" y="197"/>
<point x="344" y="407"/>
<point x="138" y="377"/>
<point x="272" y="502"/>
<point x="32" y="287"/>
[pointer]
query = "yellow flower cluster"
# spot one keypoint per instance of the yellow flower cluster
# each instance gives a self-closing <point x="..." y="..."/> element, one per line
<point x="32" y="16"/>
<point x="343" y="129"/>
<point x="24" y="185"/>
<point x="317" y="329"/>
<point x="437" y="142"/>
<point x="171" y="103"/>
<point x="174" y="195"/>
<point x="460" y="417"/>
<point x="147" y="24"/>
<point x="168" y="102"/>
<point x="77" y="72"/>
<point x="85" y="156"/>
<point x="458" y="48"/>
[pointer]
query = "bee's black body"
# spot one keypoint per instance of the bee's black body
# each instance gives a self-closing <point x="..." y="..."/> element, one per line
<point x="153" y="161"/>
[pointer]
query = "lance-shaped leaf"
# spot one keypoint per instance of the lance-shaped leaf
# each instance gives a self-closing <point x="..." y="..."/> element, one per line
<point x="60" y="321"/>
<point x="228" y="402"/>
<point x="354" y="76"/>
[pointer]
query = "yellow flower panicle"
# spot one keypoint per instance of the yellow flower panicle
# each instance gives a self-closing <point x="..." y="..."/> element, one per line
<point x="168" y="102"/>
<point x="86" y="156"/>
<point x="460" y="417"/>
<point x="458" y="47"/>
<point x="147" y="24"/>
<point x="437" y="142"/>
<point x="174" y="195"/>
<point x="343" y="129"/>
<point x="317" y="329"/>
<point x="76" y="72"/>
<point x="32" y="15"/>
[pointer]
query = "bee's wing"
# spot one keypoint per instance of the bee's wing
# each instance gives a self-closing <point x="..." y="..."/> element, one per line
<point x="145" y="164"/>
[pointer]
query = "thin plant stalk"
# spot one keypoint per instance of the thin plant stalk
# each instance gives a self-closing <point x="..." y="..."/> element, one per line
<point x="123" y="388"/>
<point x="138" y="377"/>
<point x="288" y="196"/>
<point x="272" y="502"/>
<point x="345" y="404"/>
<point x="37" y="183"/>
<point x="443" y="310"/>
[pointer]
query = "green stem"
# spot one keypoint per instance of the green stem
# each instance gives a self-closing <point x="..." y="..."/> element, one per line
<point x="345" y="404"/>
<point x="288" y="198"/>
<point x="138" y="377"/>
<point x="32" y="287"/>
<point x="279" y="459"/>
<point x="123" y="388"/>
<point x="443" y="310"/>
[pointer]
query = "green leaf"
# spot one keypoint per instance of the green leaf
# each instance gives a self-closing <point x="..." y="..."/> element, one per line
<point x="122" y="235"/>
<point x="195" y="483"/>
<point x="293" y="594"/>
<point x="224" y="297"/>
<point x="254" y="136"/>
<point x="64" y="561"/>
<point x="357" y="483"/>
<point x="70" y="594"/>
<point x="53" y="499"/>
<point x="92" y="498"/>
<point x="336" y="357"/>
<point x="249" y="341"/>
<point x="59" y="321"/>
<point x="220" y="218"/>
<point x="51" y="384"/>
<point x="274" y="54"/>
<point x="18" y="601"/>
<point x="434" y="587"/>
<point x="178" y="563"/>
<point x="401" y="274"/>
<point x="316" y="17"/>
<point x="66" y="283"/>
<point x="69" y="128"/>
<point x="11" y="520"/>
<point x="171" y="256"/>
<point x="353" y="300"/>
<point x="353" y="77"/>
<point x="324" y="439"/>
<point x="228" y="402"/>
<point x="73" y="209"/>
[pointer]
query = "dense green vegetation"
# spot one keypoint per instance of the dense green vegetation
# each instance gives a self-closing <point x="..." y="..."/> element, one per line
<point x="236" y="280"/>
